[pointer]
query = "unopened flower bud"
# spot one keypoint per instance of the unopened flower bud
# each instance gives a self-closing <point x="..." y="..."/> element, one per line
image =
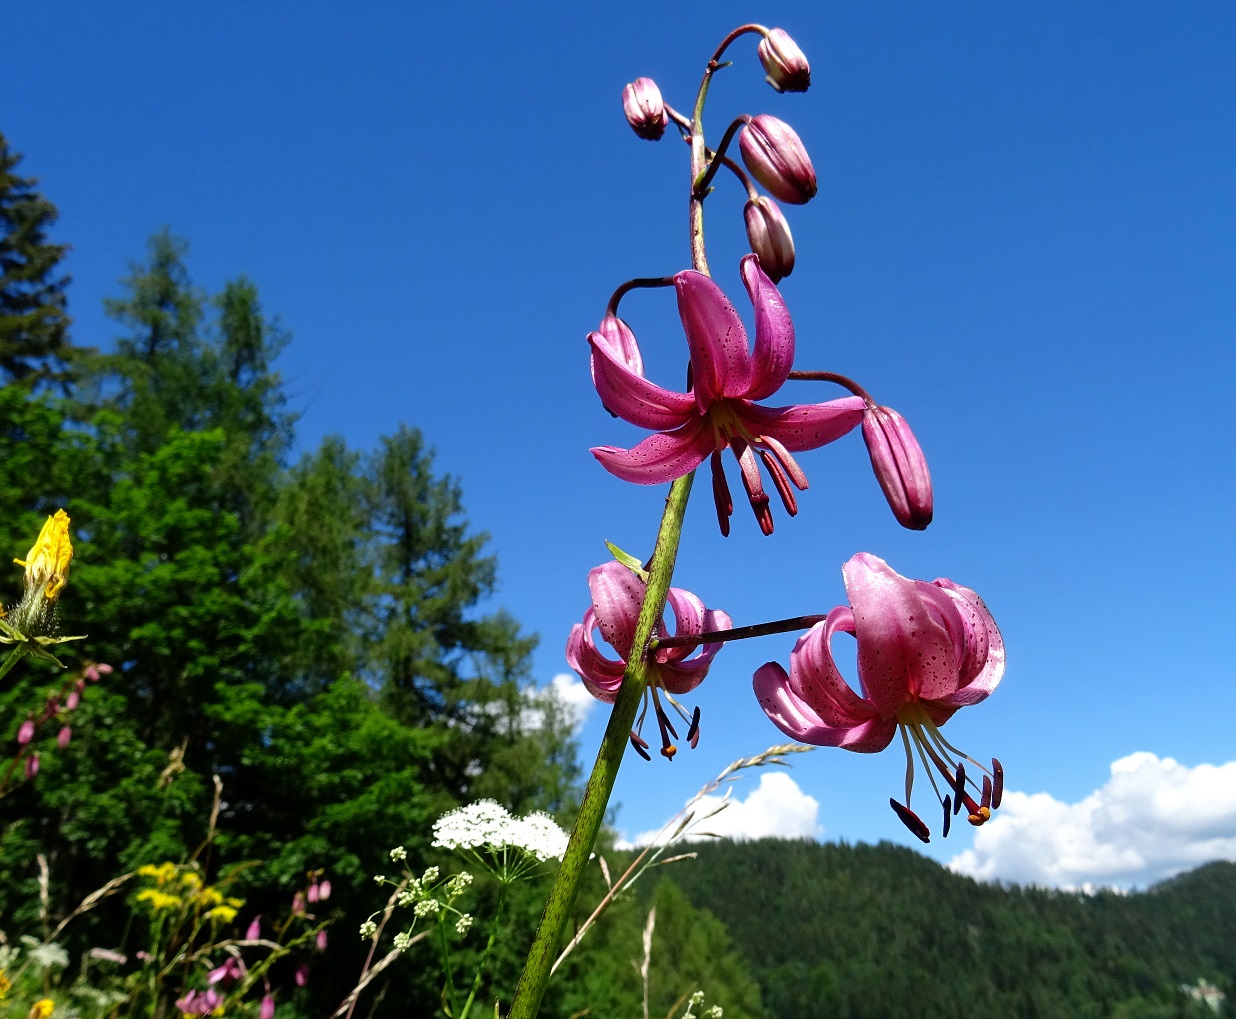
<point x="320" y="940"/>
<point x="72" y="700"/>
<point x="324" y="890"/>
<point x="776" y="158"/>
<point x="302" y="974"/>
<point x="298" y="904"/>
<point x="255" y="929"/>
<point x="26" y="733"/>
<point x="313" y="892"/>
<point x="268" y="1008"/>
<point x="32" y="765"/>
<point x="899" y="466"/>
<point x="104" y="669"/>
<point x="769" y="236"/>
<point x="784" y="62"/>
<point x="91" y="673"/>
<point x="645" y="109"/>
<point x="63" y="737"/>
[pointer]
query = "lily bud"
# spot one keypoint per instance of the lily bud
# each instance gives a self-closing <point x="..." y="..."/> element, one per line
<point x="645" y="109"/>
<point x="26" y="733"/>
<point x="73" y="700"/>
<point x="776" y="158"/>
<point x="769" y="236"/>
<point x="899" y="465"/>
<point x="784" y="62"/>
<point x="32" y="765"/>
<point x="268" y="1008"/>
<point x="63" y="737"/>
<point x="255" y="929"/>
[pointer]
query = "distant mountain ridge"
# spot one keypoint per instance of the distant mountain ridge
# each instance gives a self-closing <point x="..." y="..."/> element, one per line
<point x="873" y="932"/>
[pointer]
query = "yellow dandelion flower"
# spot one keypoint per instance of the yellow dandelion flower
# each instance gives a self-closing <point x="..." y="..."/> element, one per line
<point x="191" y="879"/>
<point x="208" y="897"/>
<point x="42" y="1008"/>
<point x="157" y="899"/>
<point x="224" y="914"/>
<point x="47" y="562"/>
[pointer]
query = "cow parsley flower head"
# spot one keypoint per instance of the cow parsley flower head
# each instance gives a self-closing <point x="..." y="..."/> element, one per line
<point x="513" y="845"/>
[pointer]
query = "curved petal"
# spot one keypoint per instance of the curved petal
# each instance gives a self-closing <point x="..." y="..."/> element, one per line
<point x="904" y="650"/>
<point x="631" y="396"/>
<point x="774" y="333"/>
<point x="618" y="336"/>
<point x="982" y="665"/>
<point x="689" y="614"/>
<point x="665" y="456"/>
<point x="601" y="677"/>
<point x="720" y="362"/>
<point x="815" y="678"/>
<point x="683" y="676"/>
<point x="806" y="426"/>
<point x="617" y="594"/>
<point x="794" y="717"/>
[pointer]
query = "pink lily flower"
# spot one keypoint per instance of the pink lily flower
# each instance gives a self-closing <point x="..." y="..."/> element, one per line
<point x="720" y="409"/>
<point x="617" y="595"/>
<point x="924" y="650"/>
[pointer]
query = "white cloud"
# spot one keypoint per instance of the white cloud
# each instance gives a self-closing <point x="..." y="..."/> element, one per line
<point x="573" y="698"/>
<point x="1153" y="818"/>
<point x="776" y="808"/>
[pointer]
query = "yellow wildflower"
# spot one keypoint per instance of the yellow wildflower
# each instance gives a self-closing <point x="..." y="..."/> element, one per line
<point x="224" y="914"/>
<point x="5" y="984"/>
<point x="157" y="899"/>
<point x="191" y="879"/>
<point x="47" y="562"/>
<point x="162" y="874"/>
<point x="208" y="897"/>
<point x="42" y="1008"/>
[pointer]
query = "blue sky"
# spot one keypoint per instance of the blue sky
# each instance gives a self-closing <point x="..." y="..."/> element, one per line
<point x="1025" y="241"/>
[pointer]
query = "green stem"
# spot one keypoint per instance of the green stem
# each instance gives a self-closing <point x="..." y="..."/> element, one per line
<point x="448" y="988"/>
<point x="13" y="658"/>
<point x="489" y="947"/>
<point x="531" y="988"/>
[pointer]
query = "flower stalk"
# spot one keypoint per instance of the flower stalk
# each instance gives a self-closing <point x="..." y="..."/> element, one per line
<point x="544" y="950"/>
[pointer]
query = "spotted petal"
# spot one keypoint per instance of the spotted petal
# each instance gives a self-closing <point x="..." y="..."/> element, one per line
<point x="982" y="664"/>
<point x="665" y="456"/>
<point x="632" y="397"/>
<point x="815" y="678"/>
<point x="774" y="333"/>
<point x="602" y="677"/>
<point x="794" y="717"/>
<point x="805" y="426"/>
<point x="617" y="595"/>
<point x="720" y="361"/>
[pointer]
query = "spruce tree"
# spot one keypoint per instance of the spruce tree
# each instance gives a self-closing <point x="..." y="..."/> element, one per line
<point x="34" y="320"/>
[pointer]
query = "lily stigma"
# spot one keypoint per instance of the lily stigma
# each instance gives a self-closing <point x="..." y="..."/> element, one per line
<point x="718" y="411"/>
<point x="924" y="651"/>
<point x="617" y="594"/>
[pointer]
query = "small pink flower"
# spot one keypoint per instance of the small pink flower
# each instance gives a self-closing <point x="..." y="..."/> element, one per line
<point x="231" y="971"/>
<point x="25" y="732"/>
<point x="617" y="595"/>
<point x="324" y="890"/>
<point x="320" y="940"/>
<point x="313" y="892"/>
<point x="63" y="737"/>
<point x="91" y="672"/>
<point x="645" y="109"/>
<point x="298" y="904"/>
<point x="74" y="699"/>
<point x="255" y="929"/>
<point x="720" y="411"/>
<point x="777" y="158"/>
<point x="104" y="669"/>
<point x="924" y="650"/>
<point x="268" y="1008"/>
<point x="784" y="62"/>
<point x="302" y="974"/>
<point x="32" y="765"/>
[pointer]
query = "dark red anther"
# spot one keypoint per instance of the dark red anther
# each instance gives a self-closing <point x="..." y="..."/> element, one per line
<point x="721" y="494"/>
<point x="665" y="723"/>
<point x="693" y="734"/>
<point x="997" y="786"/>
<point x="781" y="482"/>
<point x="948" y="817"/>
<point x="986" y="793"/>
<point x="959" y="788"/>
<point x="640" y="746"/>
<point x="911" y="820"/>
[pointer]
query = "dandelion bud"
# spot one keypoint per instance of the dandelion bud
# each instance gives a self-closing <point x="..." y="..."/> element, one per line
<point x="324" y="891"/>
<point x="899" y="465"/>
<point x="784" y="62"/>
<point x="769" y="236"/>
<point x="776" y="158"/>
<point x="26" y="733"/>
<point x="255" y="929"/>
<point x="320" y="940"/>
<point x="63" y="737"/>
<point x="313" y="892"/>
<point x="32" y="765"/>
<point x="645" y="109"/>
<point x="72" y="701"/>
<point x="268" y="1008"/>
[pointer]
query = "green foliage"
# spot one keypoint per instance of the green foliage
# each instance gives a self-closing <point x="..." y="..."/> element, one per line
<point x="34" y="320"/>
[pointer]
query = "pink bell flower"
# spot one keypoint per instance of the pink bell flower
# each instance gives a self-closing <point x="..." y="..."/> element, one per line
<point x="324" y="890"/>
<point x="231" y="971"/>
<point x="617" y="595"/>
<point x="64" y="736"/>
<point x="267" y="1010"/>
<point x="32" y="765"/>
<point x="924" y="650"/>
<point x="720" y="410"/>
<point x="302" y="974"/>
<point x="255" y="929"/>
<point x="320" y="940"/>
<point x="25" y="732"/>
<point x="312" y="894"/>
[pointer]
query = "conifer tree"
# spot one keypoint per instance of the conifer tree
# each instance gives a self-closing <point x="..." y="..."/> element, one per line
<point x="34" y="320"/>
